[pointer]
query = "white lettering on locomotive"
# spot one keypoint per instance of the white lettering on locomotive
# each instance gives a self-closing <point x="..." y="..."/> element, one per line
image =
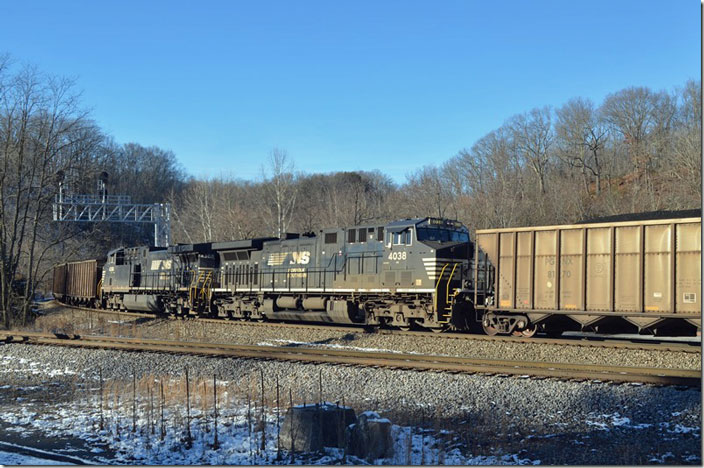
<point x="297" y="273"/>
<point x="397" y="256"/>
<point x="161" y="265"/>
<point x="302" y="258"/>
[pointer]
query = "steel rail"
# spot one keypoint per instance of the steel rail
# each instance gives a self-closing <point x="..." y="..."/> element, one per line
<point x="108" y="311"/>
<point x="589" y="342"/>
<point x="416" y="362"/>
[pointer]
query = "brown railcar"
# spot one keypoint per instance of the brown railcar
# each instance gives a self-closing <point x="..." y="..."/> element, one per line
<point x="645" y="272"/>
<point x="77" y="282"/>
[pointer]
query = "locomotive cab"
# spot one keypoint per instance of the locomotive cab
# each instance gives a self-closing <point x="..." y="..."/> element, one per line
<point x="425" y="261"/>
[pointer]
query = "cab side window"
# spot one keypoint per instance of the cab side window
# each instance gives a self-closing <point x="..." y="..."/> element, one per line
<point x="402" y="237"/>
<point x="397" y="238"/>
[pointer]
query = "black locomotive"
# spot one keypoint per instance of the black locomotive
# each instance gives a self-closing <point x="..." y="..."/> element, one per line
<point x="408" y="272"/>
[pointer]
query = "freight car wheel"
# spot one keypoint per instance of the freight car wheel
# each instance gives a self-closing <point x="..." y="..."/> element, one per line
<point x="488" y="329"/>
<point x="527" y="332"/>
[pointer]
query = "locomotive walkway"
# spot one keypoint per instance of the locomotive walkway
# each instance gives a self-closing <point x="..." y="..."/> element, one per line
<point x="415" y="362"/>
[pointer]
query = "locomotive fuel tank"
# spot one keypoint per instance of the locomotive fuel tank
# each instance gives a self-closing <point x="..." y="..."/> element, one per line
<point x="317" y="310"/>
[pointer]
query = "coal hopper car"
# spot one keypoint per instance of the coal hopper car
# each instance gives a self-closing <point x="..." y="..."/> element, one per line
<point x="77" y="283"/>
<point x="638" y="275"/>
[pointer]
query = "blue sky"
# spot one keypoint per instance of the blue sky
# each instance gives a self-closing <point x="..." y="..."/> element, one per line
<point x="342" y="85"/>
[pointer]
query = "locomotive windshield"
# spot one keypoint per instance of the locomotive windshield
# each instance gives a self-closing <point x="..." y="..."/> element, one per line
<point x="432" y="234"/>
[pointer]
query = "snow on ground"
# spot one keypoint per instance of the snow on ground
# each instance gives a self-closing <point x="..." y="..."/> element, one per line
<point x="34" y="409"/>
<point x="9" y="458"/>
<point x="278" y="342"/>
<point x="607" y="422"/>
<point x="241" y="440"/>
<point x="35" y="368"/>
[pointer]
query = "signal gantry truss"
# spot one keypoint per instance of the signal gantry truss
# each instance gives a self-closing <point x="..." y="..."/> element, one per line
<point x="114" y="209"/>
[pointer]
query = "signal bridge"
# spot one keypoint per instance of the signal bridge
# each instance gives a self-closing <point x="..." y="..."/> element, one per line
<point x="101" y="207"/>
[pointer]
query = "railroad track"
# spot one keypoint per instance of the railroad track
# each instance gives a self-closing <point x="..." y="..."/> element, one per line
<point x="415" y="362"/>
<point x="589" y="342"/>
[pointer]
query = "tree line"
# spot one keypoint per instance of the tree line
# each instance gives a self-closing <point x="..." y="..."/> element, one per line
<point x="638" y="150"/>
<point x="45" y="131"/>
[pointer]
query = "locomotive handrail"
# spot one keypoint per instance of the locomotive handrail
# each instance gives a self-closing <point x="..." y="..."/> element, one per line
<point x="437" y="285"/>
<point x="452" y="274"/>
<point x="276" y="274"/>
<point x="448" y="300"/>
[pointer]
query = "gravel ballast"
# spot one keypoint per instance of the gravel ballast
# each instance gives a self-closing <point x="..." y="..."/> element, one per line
<point x="552" y="421"/>
<point x="244" y="333"/>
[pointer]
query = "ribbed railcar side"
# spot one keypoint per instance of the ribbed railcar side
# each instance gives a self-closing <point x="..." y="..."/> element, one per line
<point x="59" y="282"/>
<point x="77" y="282"/>
<point x="645" y="272"/>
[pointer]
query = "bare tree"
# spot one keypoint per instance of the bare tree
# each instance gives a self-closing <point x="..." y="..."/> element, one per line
<point x="356" y="197"/>
<point x="686" y="157"/>
<point x="644" y="119"/>
<point x="494" y="183"/>
<point x="533" y="136"/>
<point x="240" y="202"/>
<point x="144" y="173"/>
<point x="202" y="196"/>
<point x="281" y="191"/>
<point x="42" y="131"/>
<point x="636" y="114"/>
<point x="218" y="209"/>
<point x="582" y="137"/>
<point x="341" y="199"/>
<point x="429" y="193"/>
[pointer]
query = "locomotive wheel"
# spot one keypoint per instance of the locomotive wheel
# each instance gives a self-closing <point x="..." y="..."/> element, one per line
<point x="408" y="328"/>
<point x="489" y="330"/>
<point x="436" y="330"/>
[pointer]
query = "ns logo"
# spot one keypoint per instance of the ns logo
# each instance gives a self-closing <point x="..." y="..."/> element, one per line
<point x="300" y="258"/>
